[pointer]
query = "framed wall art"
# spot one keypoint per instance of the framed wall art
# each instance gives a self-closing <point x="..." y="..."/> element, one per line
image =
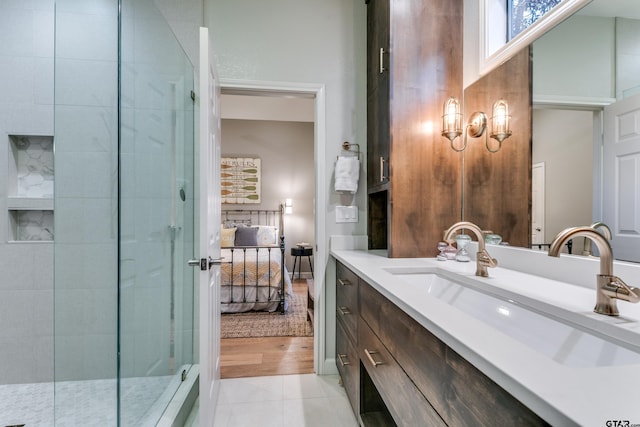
<point x="240" y="180"/>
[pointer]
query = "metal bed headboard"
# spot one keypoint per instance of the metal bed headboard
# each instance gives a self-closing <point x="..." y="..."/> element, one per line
<point x="272" y="217"/>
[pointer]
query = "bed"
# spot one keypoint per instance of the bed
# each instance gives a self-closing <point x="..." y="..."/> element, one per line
<point x="253" y="275"/>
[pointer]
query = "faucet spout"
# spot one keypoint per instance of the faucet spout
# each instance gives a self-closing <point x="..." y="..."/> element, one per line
<point x="606" y="258"/>
<point x="609" y="287"/>
<point x="605" y="231"/>
<point x="483" y="259"/>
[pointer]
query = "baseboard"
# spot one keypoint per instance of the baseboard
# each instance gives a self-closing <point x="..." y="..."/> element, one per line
<point x="303" y="275"/>
<point x="330" y="367"/>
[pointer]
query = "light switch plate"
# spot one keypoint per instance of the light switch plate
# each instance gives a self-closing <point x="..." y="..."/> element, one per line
<point x="346" y="214"/>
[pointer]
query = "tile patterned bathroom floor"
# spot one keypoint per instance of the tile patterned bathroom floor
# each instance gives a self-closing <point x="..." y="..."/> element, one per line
<point x="29" y="404"/>
<point x="288" y="400"/>
<point x="81" y="403"/>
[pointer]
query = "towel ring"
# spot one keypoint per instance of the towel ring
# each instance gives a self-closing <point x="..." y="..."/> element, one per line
<point x="346" y="146"/>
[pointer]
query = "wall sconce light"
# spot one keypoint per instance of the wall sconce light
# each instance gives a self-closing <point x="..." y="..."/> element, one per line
<point x="500" y="123"/>
<point x="288" y="206"/>
<point x="452" y="124"/>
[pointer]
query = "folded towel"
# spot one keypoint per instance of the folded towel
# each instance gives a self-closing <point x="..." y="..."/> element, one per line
<point x="347" y="174"/>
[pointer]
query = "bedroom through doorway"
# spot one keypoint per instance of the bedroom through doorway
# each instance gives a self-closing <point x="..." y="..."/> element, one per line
<point x="268" y="176"/>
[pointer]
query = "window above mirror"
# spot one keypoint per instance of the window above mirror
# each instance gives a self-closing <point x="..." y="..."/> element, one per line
<point x="496" y="17"/>
<point x="521" y="14"/>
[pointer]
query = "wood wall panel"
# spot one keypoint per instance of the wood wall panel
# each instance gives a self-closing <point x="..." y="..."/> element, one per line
<point x="426" y="68"/>
<point x="497" y="186"/>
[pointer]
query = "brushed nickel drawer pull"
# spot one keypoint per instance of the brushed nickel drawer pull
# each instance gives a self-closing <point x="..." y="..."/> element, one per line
<point x="344" y="310"/>
<point x="344" y="282"/>
<point x="342" y="362"/>
<point x="370" y="357"/>
<point x="381" y="69"/>
<point x="382" y="175"/>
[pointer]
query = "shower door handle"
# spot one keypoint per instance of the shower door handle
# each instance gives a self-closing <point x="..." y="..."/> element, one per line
<point x="203" y="264"/>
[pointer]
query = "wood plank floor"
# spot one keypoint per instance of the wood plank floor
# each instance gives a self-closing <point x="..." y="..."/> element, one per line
<point x="254" y="357"/>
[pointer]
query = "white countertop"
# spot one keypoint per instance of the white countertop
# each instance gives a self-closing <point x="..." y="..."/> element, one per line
<point x="560" y="394"/>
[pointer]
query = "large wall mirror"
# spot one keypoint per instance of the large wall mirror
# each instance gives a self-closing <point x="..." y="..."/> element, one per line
<point x="586" y="91"/>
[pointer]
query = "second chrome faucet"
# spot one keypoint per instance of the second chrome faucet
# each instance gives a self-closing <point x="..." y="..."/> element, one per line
<point x="483" y="259"/>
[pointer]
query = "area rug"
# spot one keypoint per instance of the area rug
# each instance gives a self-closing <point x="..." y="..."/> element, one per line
<point x="255" y="324"/>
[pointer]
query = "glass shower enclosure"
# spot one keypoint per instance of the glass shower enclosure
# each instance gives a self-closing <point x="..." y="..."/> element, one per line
<point x="123" y="213"/>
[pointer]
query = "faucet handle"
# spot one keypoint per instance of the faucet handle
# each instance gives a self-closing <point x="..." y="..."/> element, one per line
<point x="485" y="259"/>
<point x="616" y="288"/>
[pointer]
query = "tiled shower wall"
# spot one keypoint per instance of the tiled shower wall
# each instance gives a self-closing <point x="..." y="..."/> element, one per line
<point x="86" y="130"/>
<point x="85" y="207"/>
<point x="86" y="204"/>
<point x="26" y="267"/>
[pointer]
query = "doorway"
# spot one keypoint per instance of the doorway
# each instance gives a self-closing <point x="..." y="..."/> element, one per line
<point x="570" y="165"/>
<point x="278" y="123"/>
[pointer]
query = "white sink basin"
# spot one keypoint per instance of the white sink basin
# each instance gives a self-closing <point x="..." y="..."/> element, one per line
<point x="564" y="342"/>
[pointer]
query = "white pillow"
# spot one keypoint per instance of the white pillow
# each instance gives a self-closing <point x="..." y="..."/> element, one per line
<point x="227" y="237"/>
<point x="267" y="235"/>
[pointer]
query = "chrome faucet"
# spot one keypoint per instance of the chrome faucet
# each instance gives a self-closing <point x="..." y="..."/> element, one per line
<point x="609" y="287"/>
<point x="606" y="232"/>
<point x="483" y="259"/>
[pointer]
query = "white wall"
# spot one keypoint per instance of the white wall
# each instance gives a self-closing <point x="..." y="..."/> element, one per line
<point x="286" y="153"/>
<point x="185" y="19"/>
<point x="305" y="41"/>
<point x="576" y="60"/>
<point x="471" y="42"/>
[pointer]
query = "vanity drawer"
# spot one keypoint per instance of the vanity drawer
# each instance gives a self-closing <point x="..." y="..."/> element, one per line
<point x="347" y="299"/>
<point x="459" y="392"/>
<point x="348" y="365"/>
<point x="407" y="405"/>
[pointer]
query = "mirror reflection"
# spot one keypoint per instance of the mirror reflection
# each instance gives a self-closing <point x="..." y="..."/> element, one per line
<point x="586" y="78"/>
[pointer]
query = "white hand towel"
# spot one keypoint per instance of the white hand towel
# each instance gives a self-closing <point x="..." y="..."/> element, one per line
<point x="347" y="174"/>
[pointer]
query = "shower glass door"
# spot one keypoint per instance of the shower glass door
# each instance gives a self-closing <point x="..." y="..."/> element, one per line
<point x="156" y="211"/>
<point x="123" y="213"/>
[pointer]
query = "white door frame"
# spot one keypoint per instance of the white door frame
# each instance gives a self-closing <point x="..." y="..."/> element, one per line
<point x="538" y="203"/>
<point x="321" y="249"/>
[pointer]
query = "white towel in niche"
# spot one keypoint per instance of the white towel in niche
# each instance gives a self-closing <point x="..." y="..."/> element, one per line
<point x="347" y="174"/>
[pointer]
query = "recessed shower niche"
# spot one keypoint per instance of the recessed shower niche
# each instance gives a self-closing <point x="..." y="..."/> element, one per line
<point x="30" y="187"/>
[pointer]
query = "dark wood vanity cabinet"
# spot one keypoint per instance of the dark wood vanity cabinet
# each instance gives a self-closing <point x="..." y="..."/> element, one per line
<point x="377" y="94"/>
<point x="348" y="365"/>
<point x="419" y="379"/>
<point x="347" y="332"/>
<point x="414" y="63"/>
<point x="406" y="404"/>
<point x="347" y="299"/>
